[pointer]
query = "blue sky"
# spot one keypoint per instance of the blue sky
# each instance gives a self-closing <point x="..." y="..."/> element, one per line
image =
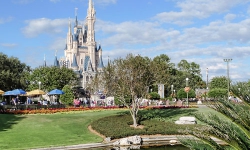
<point x="200" y="31"/>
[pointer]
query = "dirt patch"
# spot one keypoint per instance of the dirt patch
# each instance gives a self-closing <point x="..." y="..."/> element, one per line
<point x="95" y="132"/>
<point x="137" y="127"/>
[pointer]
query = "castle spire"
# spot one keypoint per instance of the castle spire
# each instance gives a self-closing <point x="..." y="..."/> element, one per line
<point x="44" y="61"/>
<point x="90" y="4"/>
<point x="69" y="26"/>
<point x="56" y="63"/>
<point x="76" y="22"/>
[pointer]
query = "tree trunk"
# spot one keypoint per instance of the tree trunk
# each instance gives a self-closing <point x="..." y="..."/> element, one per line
<point x="134" y="120"/>
<point x="134" y="110"/>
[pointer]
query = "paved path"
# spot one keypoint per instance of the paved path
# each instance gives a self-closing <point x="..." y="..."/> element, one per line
<point x="147" y="140"/>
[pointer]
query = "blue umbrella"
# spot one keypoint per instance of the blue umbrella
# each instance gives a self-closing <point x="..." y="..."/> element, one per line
<point x="9" y="93"/>
<point x="18" y="91"/>
<point x="56" y="92"/>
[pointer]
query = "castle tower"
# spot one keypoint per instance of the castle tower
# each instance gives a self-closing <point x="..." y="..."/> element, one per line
<point x="81" y="53"/>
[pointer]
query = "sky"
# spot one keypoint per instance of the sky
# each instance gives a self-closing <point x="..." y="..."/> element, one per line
<point x="202" y="31"/>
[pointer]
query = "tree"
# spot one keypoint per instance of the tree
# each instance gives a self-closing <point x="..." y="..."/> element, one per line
<point x="161" y="67"/>
<point x="181" y="94"/>
<point x="191" y="71"/>
<point x="129" y="77"/>
<point x="233" y="128"/>
<point x="217" y="93"/>
<point x="13" y="73"/>
<point x="154" y="95"/>
<point x="162" y="70"/>
<point x="218" y="82"/>
<point x="51" y="78"/>
<point x="68" y="96"/>
<point x="184" y="66"/>
<point x="241" y="90"/>
<point x="96" y="83"/>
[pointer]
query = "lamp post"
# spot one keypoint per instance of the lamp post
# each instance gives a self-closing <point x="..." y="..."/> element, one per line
<point x="174" y="94"/>
<point x="228" y="80"/>
<point x="39" y="83"/>
<point x="207" y="77"/>
<point x="172" y="89"/>
<point x="187" y="89"/>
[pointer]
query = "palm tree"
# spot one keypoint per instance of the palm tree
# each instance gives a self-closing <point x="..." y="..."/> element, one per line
<point x="235" y="130"/>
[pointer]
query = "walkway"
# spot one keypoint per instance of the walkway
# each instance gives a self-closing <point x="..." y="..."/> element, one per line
<point x="146" y="139"/>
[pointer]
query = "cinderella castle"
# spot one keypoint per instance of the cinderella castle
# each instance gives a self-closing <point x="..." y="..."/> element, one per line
<point x="81" y="52"/>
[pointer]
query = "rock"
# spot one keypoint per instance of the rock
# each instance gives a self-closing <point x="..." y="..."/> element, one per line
<point x="107" y="140"/>
<point x="116" y="143"/>
<point x="186" y="120"/>
<point x="135" y="140"/>
<point x="173" y="142"/>
<point x="124" y="141"/>
<point x="191" y="119"/>
<point x="199" y="102"/>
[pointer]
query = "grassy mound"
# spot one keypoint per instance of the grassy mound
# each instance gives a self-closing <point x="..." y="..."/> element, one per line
<point x="154" y="121"/>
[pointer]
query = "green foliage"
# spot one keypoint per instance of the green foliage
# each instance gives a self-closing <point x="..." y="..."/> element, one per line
<point x="51" y="78"/>
<point x="218" y="82"/>
<point x="235" y="130"/>
<point x="191" y="71"/>
<point x="217" y="93"/>
<point x="118" y="102"/>
<point x="129" y="77"/>
<point x="196" y="144"/>
<point x="136" y="75"/>
<point x="154" y="95"/>
<point x="68" y="96"/>
<point x="12" y="73"/>
<point x="241" y="90"/>
<point x="162" y="69"/>
<point x="154" y="122"/>
<point x="181" y="94"/>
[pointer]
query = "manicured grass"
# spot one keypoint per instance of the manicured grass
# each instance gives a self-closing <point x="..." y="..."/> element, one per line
<point x="46" y="130"/>
<point x="33" y="131"/>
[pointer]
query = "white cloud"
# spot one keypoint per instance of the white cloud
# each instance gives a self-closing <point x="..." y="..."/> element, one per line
<point x="207" y="45"/>
<point x="9" y="45"/>
<point x="229" y="17"/>
<point x="219" y="33"/>
<point x="131" y="33"/>
<point x="4" y="20"/>
<point x="58" y="44"/>
<point x="191" y="9"/>
<point x="44" y="25"/>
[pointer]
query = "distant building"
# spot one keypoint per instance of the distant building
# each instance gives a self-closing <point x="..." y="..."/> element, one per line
<point x="201" y="92"/>
<point x="81" y="52"/>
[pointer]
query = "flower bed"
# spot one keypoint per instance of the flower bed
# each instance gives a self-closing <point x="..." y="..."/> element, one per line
<point x="72" y="109"/>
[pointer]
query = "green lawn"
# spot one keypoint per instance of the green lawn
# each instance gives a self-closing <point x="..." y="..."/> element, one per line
<point x="35" y="131"/>
<point x="30" y="131"/>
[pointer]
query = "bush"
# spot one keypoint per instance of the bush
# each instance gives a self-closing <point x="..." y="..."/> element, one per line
<point x="182" y="94"/>
<point x="153" y="122"/>
<point x="217" y="93"/>
<point x="154" y="95"/>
